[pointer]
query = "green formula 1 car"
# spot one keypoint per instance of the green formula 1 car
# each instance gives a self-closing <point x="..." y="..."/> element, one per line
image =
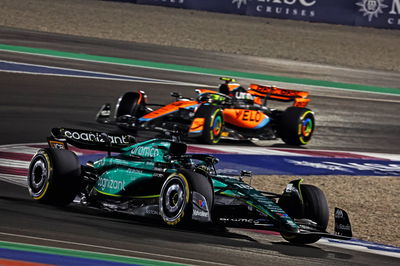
<point x="158" y="179"/>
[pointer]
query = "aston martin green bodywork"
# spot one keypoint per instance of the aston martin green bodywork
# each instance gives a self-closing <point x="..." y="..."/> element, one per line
<point x="157" y="178"/>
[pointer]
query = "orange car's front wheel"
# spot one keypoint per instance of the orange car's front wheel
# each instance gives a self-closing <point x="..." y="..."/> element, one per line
<point x="213" y="123"/>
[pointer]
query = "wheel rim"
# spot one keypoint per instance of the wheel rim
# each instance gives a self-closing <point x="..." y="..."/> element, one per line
<point x="173" y="200"/>
<point x="217" y="126"/>
<point x="38" y="177"/>
<point x="307" y="127"/>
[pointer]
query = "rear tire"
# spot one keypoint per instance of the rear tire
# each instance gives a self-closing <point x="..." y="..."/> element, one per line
<point x="175" y="203"/>
<point x="54" y="176"/>
<point x="315" y="208"/>
<point x="131" y="103"/>
<point x="213" y="123"/>
<point x="297" y="125"/>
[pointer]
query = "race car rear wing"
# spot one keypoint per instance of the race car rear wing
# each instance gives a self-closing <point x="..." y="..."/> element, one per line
<point x="91" y="140"/>
<point x="299" y="98"/>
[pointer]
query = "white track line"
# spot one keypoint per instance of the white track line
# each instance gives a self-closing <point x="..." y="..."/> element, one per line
<point x="15" y="179"/>
<point x="362" y="247"/>
<point x="189" y="72"/>
<point x="117" y="77"/>
<point x="19" y="148"/>
<point x="14" y="163"/>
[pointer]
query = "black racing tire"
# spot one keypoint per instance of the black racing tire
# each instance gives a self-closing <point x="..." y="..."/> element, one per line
<point x="315" y="208"/>
<point x="175" y="202"/>
<point x="54" y="176"/>
<point x="213" y="123"/>
<point x="296" y="126"/>
<point x="131" y="103"/>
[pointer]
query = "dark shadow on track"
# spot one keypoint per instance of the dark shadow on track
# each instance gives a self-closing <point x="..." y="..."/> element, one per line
<point x="204" y="234"/>
<point x="120" y="225"/>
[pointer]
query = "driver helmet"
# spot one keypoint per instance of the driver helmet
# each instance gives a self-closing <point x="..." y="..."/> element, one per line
<point x="230" y="88"/>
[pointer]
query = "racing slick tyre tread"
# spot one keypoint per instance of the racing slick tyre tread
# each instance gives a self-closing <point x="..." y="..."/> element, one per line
<point x="213" y="123"/>
<point x="175" y="201"/>
<point x="54" y="176"/>
<point x="129" y="104"/>
<point x="297" y="125"/>
<point x="315" y="209"/>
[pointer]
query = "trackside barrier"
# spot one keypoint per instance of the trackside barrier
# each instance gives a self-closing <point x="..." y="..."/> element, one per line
<point x="370" y="13"/>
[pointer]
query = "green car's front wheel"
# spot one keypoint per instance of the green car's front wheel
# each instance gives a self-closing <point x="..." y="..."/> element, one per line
<point x="175" y="202"/>
<point x="175" y="199"/>
<point x="315" y="208"/>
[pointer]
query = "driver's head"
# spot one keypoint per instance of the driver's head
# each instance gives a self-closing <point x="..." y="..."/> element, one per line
<point x="224" y="89"/>
<point x="229" y="88"/>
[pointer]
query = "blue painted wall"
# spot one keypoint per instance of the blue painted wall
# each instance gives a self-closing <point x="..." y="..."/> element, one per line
<point x="370" y="13"/>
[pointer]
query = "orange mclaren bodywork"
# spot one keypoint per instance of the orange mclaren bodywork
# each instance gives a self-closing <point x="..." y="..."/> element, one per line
<point x="245" y="118"/>
<point x="169" y="108"/>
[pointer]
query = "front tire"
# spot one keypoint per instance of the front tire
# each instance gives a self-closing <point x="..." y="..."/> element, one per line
<point x="213" y="123"/>
<point x="315" y="208"/>
<point x="175" y="202"/>
<point x="297" y="126"/>
<point x="54" y="176"/>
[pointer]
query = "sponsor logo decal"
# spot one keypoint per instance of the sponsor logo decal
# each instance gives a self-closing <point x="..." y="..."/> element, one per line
<point x="239" y="3"/>
<point x="236" y="220"/>
<point x="104" y="183"/>
<point x="344" y="227"/>
<point x="152" y="212"/>
<point x="146" y="151"/>
<point x="94" y="137"/>
<point x="245" y="118"/>
<point x="375" y="8"/>
<point x="136" y="171"/>
<point x="304" y="3"/>
<point x="243" y="96"/>
<point x="394" y="13"/>
<point x="339" y="213"/>
<point x="395" y="9"/>
<point x="200" y="213"/>
<point x="201" y="203"/>
<point x="286" y="7"/>
<point x="371" y="8"/>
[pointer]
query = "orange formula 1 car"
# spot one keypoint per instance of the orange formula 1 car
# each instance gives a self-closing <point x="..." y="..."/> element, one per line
<point x="233" y="112"/>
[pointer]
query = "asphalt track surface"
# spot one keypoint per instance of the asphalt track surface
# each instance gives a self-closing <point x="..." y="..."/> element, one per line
<point x="31" y="104"/>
